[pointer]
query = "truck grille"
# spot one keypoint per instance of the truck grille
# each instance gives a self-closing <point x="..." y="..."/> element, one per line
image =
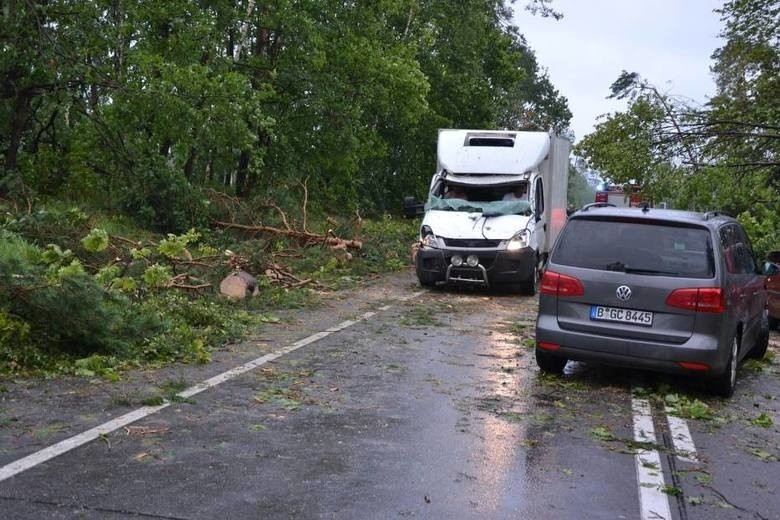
<point x="470" y="242"/>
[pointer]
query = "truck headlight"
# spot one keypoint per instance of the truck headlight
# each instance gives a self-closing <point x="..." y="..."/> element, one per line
<point x="427" y="237"/>
<point x="519" y="241"/>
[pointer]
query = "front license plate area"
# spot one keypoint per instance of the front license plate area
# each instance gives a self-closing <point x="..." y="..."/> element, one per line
<point x="617" y="315"/>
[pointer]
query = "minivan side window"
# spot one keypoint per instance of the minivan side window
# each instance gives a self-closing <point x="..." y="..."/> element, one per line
<point x="736" y="250"/>
<point x="747" y="261"/>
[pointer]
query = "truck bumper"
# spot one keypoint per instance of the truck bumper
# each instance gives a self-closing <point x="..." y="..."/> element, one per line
<point x="495" y="268"/>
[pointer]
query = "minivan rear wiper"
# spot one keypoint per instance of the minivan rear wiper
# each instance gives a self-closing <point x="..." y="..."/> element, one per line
<point x="623" y="268"/>
<point x="652" y="272"/>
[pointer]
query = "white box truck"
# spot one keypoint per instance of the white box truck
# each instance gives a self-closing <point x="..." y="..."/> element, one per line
<point x="496" y="205"/>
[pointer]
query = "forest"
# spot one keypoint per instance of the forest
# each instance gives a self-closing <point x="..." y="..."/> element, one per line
<point x="140" y="107"/>
<point x="136" y="138"/>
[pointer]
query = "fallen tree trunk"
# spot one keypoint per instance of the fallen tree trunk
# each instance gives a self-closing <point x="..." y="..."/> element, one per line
<point x="334" y="242"/>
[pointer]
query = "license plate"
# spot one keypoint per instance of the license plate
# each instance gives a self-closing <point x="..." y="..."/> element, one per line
<point x="644" y="318"/>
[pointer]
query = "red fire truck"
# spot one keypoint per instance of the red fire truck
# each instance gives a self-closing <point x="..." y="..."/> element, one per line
<point x="620" y="196"/>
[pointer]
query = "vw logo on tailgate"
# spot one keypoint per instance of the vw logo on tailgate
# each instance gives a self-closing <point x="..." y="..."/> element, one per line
<point x="623" y="293"/>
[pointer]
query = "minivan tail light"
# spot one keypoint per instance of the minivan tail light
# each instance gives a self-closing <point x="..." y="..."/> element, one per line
<point x="549" y="283"/>
<point x="557" y="284"/>
<point x="701" y="299"/>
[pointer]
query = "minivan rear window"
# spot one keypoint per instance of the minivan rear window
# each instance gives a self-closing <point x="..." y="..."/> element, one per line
<point x="636" y="247"/>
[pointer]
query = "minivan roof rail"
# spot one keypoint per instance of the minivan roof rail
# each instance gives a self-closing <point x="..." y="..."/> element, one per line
<point x="713" y="214"/>
<point x="586" y="207"/>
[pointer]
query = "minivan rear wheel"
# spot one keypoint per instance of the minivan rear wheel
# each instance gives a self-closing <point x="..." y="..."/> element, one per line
<point x="773" y="323"/>
<point x="550" y="363"/>
<point x="724" y="384"/>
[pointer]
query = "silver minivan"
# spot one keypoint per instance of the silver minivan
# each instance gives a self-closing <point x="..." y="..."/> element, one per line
<point x="665" y="290"/>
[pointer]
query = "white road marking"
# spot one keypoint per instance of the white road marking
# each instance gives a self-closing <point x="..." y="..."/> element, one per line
<point x="55" y="450"/>
<point x="681" y="439"/>
<point x="653" y="502"/>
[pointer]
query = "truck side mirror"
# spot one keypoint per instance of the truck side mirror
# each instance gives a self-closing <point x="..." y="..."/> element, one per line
<point x="412" y="208"/>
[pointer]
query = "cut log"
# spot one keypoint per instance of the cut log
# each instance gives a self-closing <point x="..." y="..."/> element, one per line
<point x="238" y="285"/>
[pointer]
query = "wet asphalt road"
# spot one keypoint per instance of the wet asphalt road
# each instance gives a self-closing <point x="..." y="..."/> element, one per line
<point x="432" y="408"/>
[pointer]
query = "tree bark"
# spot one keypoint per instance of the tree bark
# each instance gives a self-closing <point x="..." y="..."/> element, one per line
<point x="242" y="173"/>
<point x="18" y="124"/>
<point x="190" y="164"/>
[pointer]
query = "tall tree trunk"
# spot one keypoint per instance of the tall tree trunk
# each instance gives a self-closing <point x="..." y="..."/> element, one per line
<point x="18" y="124"/>
<point x="189" y="165"/>
<point x="242" y="173"/>
<point x="209" y="171"/>
<point x="165" y="147"/>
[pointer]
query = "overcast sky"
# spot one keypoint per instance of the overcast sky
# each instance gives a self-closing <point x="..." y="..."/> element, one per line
<point x="668" y="42"/>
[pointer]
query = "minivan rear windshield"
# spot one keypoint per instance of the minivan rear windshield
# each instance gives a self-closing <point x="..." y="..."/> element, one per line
<point x="636" y="247"/>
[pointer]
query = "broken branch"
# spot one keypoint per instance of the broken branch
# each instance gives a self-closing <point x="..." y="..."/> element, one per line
<point x="293" y="233"/>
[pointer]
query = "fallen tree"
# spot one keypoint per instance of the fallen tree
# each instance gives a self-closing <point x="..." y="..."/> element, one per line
<point x="328" y="238"/>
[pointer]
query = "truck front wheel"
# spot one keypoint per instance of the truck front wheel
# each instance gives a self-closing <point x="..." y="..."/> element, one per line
<point x="531" y="285"/>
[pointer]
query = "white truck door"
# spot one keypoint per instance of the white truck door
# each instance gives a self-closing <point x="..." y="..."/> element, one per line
<point x="539" y="216"/>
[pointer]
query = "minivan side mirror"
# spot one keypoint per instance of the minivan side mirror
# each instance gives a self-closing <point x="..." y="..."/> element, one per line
<point x="413" y="208"/>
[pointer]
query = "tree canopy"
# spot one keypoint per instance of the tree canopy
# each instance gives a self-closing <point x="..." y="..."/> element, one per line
<point x="139" y="107"/>
<point x="724" y="155"/>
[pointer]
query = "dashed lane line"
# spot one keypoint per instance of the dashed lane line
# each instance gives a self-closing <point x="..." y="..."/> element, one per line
<point x="653" y="502"/>
<point x="50" y="452"/>
<point x="682" y="441"/>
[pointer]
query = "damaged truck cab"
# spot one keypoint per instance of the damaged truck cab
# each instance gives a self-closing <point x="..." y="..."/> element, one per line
<point x="496" y="205"/>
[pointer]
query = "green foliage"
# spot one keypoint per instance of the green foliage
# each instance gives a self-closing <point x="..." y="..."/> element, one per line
<point x="763" y="420"/>
<point x="602" y="433"/>
<point x="106" y="275"/>
<point x="66" y="310"/>
<point x="96" y="365"/>
<point x="387" y="243"/>
<point x="95" y="241"/>
<point x="723" y="156"/>
<point x="579" y="192"/>
<point x="191" y="325"/>
<point x="683" y="406"/>
<point x="17" y="350"/>
<point x="175" y="246"/>
<point x="124" y="284"/>
<point x="622" y="147"/>
<point x="157" y="276"/>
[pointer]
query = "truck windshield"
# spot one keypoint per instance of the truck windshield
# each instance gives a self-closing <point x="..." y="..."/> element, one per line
<point x="493" y="208"/>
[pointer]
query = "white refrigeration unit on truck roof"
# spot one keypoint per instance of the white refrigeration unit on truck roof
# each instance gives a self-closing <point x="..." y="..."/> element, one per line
<point x="497" y="202"/>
